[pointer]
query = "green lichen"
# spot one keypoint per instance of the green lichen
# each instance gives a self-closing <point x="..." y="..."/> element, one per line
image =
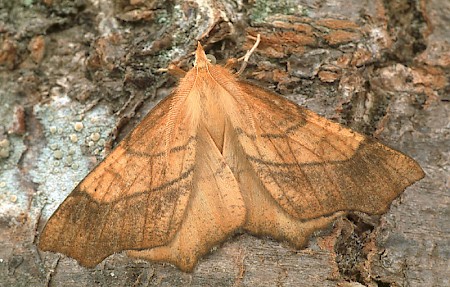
<point x="162" y="17"/>
<point x="265" y="8"/>
<point x="27" y="3"/>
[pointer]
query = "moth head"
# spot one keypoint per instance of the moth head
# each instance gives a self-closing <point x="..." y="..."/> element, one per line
<point x="201" y="60"/>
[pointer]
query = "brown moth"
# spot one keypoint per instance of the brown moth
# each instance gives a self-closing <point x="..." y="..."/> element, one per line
<point x="219" y="156"/>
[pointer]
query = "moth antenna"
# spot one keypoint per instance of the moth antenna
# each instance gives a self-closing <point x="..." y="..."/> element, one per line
<point x="248" y="54"/>
<point x="244" y="65"/>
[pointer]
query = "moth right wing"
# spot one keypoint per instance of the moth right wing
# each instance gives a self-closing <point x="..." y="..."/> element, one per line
<point x="313" y="167"/>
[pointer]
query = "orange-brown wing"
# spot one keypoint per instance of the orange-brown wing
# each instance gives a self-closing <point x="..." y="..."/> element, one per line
<point x="136" y="197"/>
<point x="216" y="210"/>
<point x="313" y="167"/>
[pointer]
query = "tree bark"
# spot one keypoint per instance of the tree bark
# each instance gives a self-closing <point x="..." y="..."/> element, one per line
<point x="78" y="75"/>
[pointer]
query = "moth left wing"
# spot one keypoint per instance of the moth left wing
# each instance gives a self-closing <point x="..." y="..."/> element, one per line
<point x="314" y="167"/>
<point x="136" y="197"/>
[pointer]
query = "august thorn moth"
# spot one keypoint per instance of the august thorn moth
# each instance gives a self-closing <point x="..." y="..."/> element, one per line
<point x="217" y="156"/>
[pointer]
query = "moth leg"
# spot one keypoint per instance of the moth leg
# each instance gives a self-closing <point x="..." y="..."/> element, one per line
<point x="174" y="70"/>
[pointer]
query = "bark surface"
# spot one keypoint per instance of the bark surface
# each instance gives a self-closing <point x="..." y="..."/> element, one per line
<point x="76" y="76"/>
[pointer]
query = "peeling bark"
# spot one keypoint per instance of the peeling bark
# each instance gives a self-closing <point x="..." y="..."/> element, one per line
<point x="380" y="67"/>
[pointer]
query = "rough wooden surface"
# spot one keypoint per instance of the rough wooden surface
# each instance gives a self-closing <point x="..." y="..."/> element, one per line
<point x="380" y="67"/>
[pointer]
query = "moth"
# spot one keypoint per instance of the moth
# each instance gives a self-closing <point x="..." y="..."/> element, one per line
<point x="218" y="156"/>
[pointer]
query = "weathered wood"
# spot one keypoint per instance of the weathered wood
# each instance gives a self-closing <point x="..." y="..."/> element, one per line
<point x="381" y="67"/>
